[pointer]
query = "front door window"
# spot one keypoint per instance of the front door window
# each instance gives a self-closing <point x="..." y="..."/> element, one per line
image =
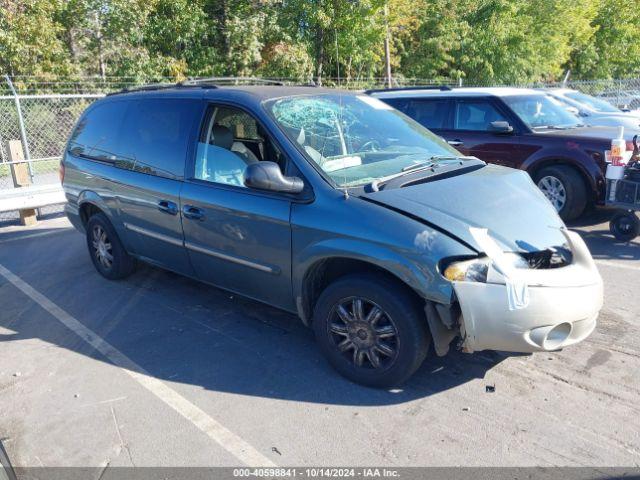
<point x="232" y="141"/>
<point x="476" y="116"/>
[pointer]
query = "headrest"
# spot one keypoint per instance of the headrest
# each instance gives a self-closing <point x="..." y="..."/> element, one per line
<point x="221" y="137"/>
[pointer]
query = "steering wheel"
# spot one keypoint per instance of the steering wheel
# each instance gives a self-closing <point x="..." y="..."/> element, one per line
<point x="370" y="146"/>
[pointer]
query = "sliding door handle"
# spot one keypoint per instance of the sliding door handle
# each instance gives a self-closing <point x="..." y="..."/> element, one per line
<point x="194" y="213"/>
<point x="455" y="143"/>
<point x="168" y="207"/>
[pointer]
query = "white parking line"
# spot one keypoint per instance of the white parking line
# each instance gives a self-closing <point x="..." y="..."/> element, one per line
<point x="228" y="440"/>
<point x="35" y="235"/>
<point x="608" y="263"/>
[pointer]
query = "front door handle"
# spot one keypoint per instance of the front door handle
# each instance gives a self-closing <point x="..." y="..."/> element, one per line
<point x="167" y="207"/>
<point x="455" y="143"/>
<point x="194" y="213"/>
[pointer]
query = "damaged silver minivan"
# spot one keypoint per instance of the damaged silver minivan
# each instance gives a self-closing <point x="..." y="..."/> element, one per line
<point x="335" y="206"/>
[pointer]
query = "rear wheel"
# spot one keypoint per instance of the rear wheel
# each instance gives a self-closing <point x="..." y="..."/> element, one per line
<point x="371" y="330"/>
<point x="625" y="226"/>
<point x="107" y="253"/>
<point x="564" y="188"/>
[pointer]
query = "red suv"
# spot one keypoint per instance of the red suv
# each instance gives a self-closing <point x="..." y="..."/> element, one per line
<point x="519" y="128"/>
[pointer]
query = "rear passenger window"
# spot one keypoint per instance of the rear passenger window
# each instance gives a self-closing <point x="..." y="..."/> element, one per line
<point x="432" y="114"/>
<point x="155" y="135"/>
<point x="429" y="113"/>
<point x="97" y="133"/>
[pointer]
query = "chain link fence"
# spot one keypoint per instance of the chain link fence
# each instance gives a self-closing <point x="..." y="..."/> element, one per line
<point x="41" y="113"/>
<point x="42" y="123"/>
<point x="623" y="94"/>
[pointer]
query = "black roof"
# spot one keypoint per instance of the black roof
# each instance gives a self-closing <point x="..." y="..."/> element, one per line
<point x="266" y="92"/>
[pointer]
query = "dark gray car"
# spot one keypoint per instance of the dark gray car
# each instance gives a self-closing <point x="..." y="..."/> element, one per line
<point x="336" y="207"/>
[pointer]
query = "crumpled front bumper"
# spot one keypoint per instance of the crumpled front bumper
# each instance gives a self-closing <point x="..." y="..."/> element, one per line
<point x="564" y="304"/>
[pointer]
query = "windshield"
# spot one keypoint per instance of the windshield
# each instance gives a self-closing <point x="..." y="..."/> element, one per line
<point x="542" y="111"/>
<point x="593" y="102"/>
<point x="357" y="139"/>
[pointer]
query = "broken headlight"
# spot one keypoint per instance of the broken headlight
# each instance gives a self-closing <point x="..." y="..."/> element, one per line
<point x="476" y="270"/>
<point x="554" y="257"/>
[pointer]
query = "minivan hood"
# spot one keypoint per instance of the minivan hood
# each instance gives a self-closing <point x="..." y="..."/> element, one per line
<point x="503" y="200"/>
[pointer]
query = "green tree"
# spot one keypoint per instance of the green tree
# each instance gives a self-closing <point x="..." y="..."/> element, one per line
<point x="177" y="38"/>
<point x="345" y="37"/>
<point x="286" y="60"/>
<point x="615" y="46"/>
<point x="105" y="37"/>
<point x="498" y="41"/>
<point x="31" y="39"/>
<point x="480" y="41"/>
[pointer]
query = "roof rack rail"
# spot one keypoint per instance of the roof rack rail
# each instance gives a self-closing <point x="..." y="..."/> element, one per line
<point x="208" y="82"/>
<point x="417" y="87"/>
<point x="157" y="86"/>
<point x="231" y="81"/>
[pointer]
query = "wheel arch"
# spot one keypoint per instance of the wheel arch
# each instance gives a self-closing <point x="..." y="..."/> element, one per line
<point x="325" y="271"/>
<point x="585" y="175"/>
<point x="439" y="316"/>
<point x="90" y="203"/>
<point x="324" y="263"/>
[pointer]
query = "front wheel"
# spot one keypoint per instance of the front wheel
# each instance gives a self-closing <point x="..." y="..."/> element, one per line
<point x="371" y="329"/>
<point x="564" y="188"/>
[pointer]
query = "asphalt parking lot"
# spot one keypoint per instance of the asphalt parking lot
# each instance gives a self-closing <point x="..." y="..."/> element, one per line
<point x="160" y="370"/>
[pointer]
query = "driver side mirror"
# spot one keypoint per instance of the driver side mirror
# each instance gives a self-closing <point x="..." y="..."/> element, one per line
<point x="268" y="176"/>
<point x="500" y="127"/>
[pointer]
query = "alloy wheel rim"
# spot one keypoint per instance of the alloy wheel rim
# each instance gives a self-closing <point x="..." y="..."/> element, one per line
<point x="363" y="333"/>
<point x="102" y="248"/>
<point x="554" y="190"/>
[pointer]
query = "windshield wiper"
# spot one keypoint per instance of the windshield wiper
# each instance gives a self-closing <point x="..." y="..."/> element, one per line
<point x="432" y="161"/>
<point x="414" y="166"/>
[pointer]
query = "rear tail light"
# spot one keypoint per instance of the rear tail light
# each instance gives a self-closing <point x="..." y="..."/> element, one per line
<point x="61" y="171"/>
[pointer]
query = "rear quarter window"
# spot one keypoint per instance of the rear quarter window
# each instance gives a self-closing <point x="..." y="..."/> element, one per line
<point x="156" y="132"/>
<point x="97" y="134"/>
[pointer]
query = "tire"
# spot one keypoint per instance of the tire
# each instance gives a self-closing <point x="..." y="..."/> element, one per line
<point x="403" y="323"/>
<point x="557" y="180"/>
<point x="111" y="259"/>
<point x="625" y="226"/>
